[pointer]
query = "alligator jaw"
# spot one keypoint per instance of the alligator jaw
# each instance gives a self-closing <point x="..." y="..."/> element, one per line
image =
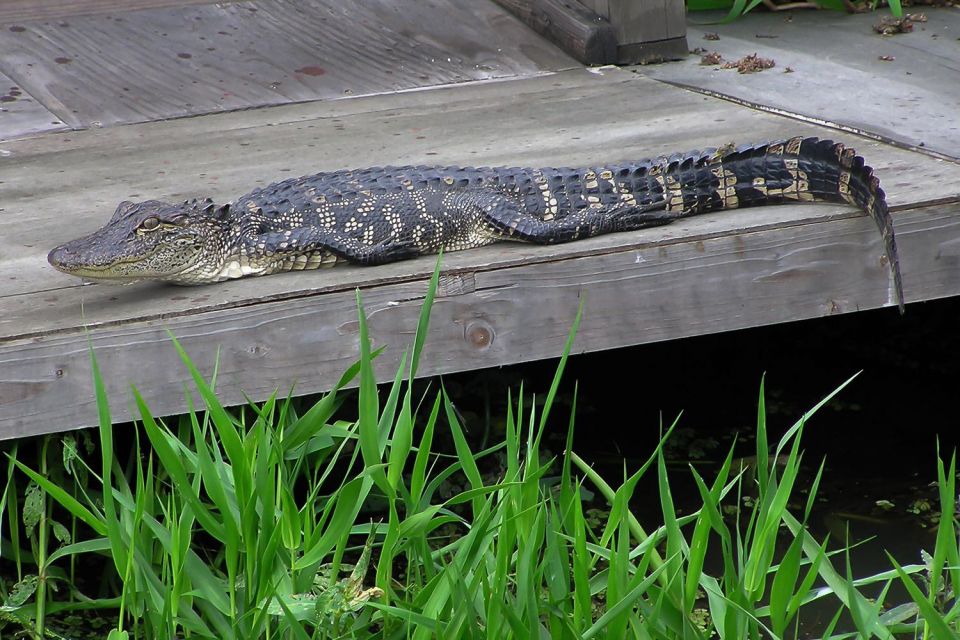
<point x="63" y="260"/>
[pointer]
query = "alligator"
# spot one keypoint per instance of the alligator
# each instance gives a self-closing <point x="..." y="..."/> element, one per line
<point x="383" y="214"/>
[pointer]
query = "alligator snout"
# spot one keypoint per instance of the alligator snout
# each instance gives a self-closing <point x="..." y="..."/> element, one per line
<point x="61" y="256"/>
<point x="68" y="258"/>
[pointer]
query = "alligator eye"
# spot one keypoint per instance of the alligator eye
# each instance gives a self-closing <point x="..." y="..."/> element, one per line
<point x="151" y="223"/>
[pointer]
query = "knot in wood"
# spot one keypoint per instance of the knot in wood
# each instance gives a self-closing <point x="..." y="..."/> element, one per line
<point x="479" y="334"/>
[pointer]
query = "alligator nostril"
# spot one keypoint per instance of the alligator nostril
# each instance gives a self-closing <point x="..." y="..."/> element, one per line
<point x="58" y="256"/>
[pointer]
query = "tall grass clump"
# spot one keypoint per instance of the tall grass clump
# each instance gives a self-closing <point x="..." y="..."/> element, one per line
<point x="267" y="523"/>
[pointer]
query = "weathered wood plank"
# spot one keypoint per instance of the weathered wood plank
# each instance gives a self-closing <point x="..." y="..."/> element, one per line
<point x="15" y="11"/>
<point x="657" y="291"/>
<point x="904" y="88"/>
<point x="582" y="33"/>
<point x="178" y="61"/>
<point x="21" y="115"/>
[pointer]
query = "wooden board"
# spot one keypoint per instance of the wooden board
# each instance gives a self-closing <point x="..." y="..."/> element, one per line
<point x="171" y="62"/>
<point x="701" y="275"/>
<point x="21" y="115"/>
<point x="838" y="74"/>
<point x="15" y="11"/>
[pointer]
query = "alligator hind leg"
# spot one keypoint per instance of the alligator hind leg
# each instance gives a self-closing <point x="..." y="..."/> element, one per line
<point x="509" y="222"/>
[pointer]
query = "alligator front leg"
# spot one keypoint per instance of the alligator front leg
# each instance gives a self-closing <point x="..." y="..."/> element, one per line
<point x="317" y="245"/>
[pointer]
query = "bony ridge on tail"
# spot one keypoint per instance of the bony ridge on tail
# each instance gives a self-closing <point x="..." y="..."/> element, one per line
<point x="383" y="214"/>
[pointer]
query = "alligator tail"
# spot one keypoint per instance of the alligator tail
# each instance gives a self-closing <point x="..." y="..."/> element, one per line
<point x="804" y="170"/>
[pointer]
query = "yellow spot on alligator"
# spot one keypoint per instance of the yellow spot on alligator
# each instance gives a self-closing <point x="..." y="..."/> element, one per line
<point x="760" y="185"/>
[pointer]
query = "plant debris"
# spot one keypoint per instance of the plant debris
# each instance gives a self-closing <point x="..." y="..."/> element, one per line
<point x="711" y="58"/>
<point x="887" y="58"/>
<point x="890" y="25"/>
<point x="750" y="64"/>
<point x="711" y="36"/>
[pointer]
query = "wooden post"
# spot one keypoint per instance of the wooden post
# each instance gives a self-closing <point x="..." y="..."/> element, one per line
<point x="582" y="33"/>
<point x="608" y="31"/>
<point x="646" y="30"/>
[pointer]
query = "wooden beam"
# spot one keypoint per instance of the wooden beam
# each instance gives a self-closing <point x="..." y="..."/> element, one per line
<point x="576" y="29"/>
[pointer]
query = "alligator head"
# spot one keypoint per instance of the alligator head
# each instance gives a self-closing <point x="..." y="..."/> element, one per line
<point x="150" y="240"/>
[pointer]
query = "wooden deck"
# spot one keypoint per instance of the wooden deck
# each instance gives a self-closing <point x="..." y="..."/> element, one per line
<point x="499" y="305"/>
<point x="99" y="68"/>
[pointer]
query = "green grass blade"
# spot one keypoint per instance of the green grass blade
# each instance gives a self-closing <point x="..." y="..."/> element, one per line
<point x="464" y="454"/>
<point x="945" y="549"/>
<point x="348" y="500"/>
<point x="318" y="415"/>
<point x="418" y="476"/>
<point x="66" y="500"/>
<point x="369" y="408"/>
<point x="423" y="324"/>
<point x="763" y="447"/>
<point x="784" y="584"/>
<point x="931" y="617"/>
<point x="229" y="436"/>
<point x="622" y="605"/>
<point x="173" y="464"/>
<point x="846" y="592"/>
<point x="118" y="542"/>
<point x="558" y="374"/>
